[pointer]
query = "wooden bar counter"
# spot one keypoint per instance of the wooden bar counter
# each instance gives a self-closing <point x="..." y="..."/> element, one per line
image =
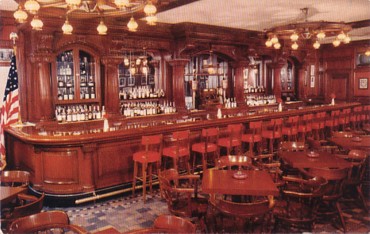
<point x="82" y="157"/>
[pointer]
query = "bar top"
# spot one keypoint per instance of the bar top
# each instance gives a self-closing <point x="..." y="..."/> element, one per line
<point x="54" y="133"/>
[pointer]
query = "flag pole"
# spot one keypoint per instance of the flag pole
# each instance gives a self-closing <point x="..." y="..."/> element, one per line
<point x="13" y="36"/>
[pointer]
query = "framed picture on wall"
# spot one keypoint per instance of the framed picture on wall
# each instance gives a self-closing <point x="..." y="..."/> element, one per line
<point x="363" y="83"/>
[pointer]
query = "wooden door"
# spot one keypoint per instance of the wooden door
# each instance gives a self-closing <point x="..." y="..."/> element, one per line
<point x="339" y="86"/>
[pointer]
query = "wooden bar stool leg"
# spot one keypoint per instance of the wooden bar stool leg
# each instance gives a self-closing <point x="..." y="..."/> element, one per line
<point x="135" y="175"/>
<point x="144" y="168"/>
<point x="150" y="174"/>
<point x="204" y="162"/>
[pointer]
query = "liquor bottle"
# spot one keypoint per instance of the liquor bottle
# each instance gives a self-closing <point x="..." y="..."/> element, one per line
<point x="65" y="94"/>
<point x="90" y="115"/>
<point x="60" y="95"/>
<point x="103" y="113"/>
<point x="71" y="95"/>
<point x="91" y="81"/>
<point x="68" y="70"/>
<point x="60" y="81"/>
<point x="92" y="94"/>
<point x="98" y="113"/>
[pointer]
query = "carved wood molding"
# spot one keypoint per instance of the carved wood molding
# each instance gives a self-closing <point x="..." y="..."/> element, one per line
<point x="89" y="148"/>
<point x="41" y="58"/>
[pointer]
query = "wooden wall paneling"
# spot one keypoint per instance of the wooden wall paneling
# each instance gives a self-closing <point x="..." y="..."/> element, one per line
<point x="238" y="86"/>
<point x="339" y="85"/>
<point x="363" y="73"/>
<point x="110" y="93"/>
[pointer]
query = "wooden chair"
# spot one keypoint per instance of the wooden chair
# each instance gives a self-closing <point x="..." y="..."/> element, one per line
<point x="354" y="182"/>
<point x="300" y="200"/>
<point x="290" y="128"/>
<point x="207" y="145"/>
<point x="228" y="216"/>
<point x="49" y="221"/>
<point x="305" y="126"/>
<point x="332" y="122"/>
<point x="318" y="125"/>
<point x="253" y="135"/>
<point x="147" y="157"/>
<point x="174" y="224"/>
<point x="233" y="138"/>
<point x="26" y="205"/>
<point x="333" y="191"/>
<point x="181" y="193"/>
<point x="179" y="151"/>
<point x="14" y="178"/>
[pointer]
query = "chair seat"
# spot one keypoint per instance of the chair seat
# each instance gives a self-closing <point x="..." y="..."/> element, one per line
<point x="201" y="147"/>
<point x="317" y="125"/>
<point x="270" y="134"/>
<point x="225" y="142"/>
<point x="150" y="156"/>
<point x="171" y="151"/>
<point x="251" y="138"/>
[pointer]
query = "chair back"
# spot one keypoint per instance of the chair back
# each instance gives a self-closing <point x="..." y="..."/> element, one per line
<point x="235" y="132"/>
<point x="299" y="204"/>
<point x="182" y="139"/>
<point x="174" y="224"/>
<point x="39" y="221"/>
<point x="335" y="178"/>
<point x="256" y="127"/>
<point x="358" y="162"/>
<point x="152" y="143"/>
<point x="210" y="136"/>
<point x="32" y="205"/>
<point x="276" y="126"/>
<point x="14" y="178"/>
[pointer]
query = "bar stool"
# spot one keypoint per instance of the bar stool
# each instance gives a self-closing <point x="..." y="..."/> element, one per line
<point x="355" y="118"/>
<point x="332" y="121"/>
<point x="147" y="157"/>
<point x="233" y="140"/>
<point x="272" y="132"/>
<point x="180" y="150"/>
<point x="318" y="125"/>
<point x="305" y="126"/>
<point x="290" y="128"/>
<point x="343" y="119"/>
<point x="208" y="145"/>
<point x="253" y="135"/>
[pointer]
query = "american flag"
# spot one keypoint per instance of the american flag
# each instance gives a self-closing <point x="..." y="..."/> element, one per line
<point x="10" y="107"/>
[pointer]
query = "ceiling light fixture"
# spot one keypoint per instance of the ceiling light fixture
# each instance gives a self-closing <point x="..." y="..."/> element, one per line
<point x="88" y="9"/>
<point x="67" y="27"/>
<point x="308" y="30"/>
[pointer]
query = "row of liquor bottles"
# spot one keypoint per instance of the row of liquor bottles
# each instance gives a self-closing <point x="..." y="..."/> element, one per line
<point x="69" y="93"/>
<point x="140" y="92"/>
<point x="254" y="89"/>
<point x="132" y="109"/>
<point x="76" y="113"/>
<point x="256" y="100"/>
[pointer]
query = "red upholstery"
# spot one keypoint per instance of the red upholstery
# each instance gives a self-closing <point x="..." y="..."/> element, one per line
<point x="208" y="145"/>
<point x="305" y="126"/>
<point x="318" y="125"/>
<point x="290" y="128"/>
<point x="253" y="135"/>
<point x="233" y="139"/>
<point x="273" y="131"/>
<point x="179" y="149"/>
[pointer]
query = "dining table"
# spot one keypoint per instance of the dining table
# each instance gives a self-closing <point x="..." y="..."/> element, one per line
<point x="361" y="142"/>
<point x="255" y="183"/>
<point x="8" y="194"/>
<point x="313" y="159"/>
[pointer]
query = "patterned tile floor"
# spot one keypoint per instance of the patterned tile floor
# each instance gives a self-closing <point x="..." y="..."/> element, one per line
<point x="125" y="213"/>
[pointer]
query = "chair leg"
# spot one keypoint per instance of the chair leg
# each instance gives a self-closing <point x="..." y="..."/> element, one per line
<point x="362" y="197"/>
<point x="150" y="174"/>
<point x="135" y="175"/>
<point x="341" y="216"/>
<point x="144" y="168"/>
<point x="204" y="162"/>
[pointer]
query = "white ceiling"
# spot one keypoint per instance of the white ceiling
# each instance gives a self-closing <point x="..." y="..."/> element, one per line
<point x="261" y="14"/>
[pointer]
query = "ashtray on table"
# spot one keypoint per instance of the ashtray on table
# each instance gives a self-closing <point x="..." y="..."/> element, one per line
<point x="240" y="175"/>
<point x="313" y="154"/>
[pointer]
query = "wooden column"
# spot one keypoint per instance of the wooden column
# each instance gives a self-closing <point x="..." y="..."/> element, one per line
<point x="178" y="92"/>
<point x="239" y="81"/>
<point x="41" y="97"/>
<point x="111" y="91"/>
<point x="277" y="79"/>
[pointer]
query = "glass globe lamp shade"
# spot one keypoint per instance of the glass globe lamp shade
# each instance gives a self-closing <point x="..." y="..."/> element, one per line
<point x="274" y="39"/>
<point x="268" y="43"/>
<point x="150" y="9"/>
<point x="336" y="42"/>
<point x="321" y="35"/>
<point x="37" y="24"/>
<point x="67" y="28"/>
<point x="138" y="61"/>
<point x="132" y="70"/>
<point x="73" y="3"/>
<point x="32" y="6"/>
<point x="20" y="15"/>
<point x="294" y="37"/>
<point x="126" y="61"/>
<point x="102" y="28"/>
<point x="132" y="25"/>
<point x="347" y="40"/>
<point x="277" y="45"/>
<point x="316" y="45"/>
<point x="151" y="19"/>
<point x="341" y="36"/>
<point x="122" y="3"/>
<point x="367" y="52"/>
<point x="295" y="46"/>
